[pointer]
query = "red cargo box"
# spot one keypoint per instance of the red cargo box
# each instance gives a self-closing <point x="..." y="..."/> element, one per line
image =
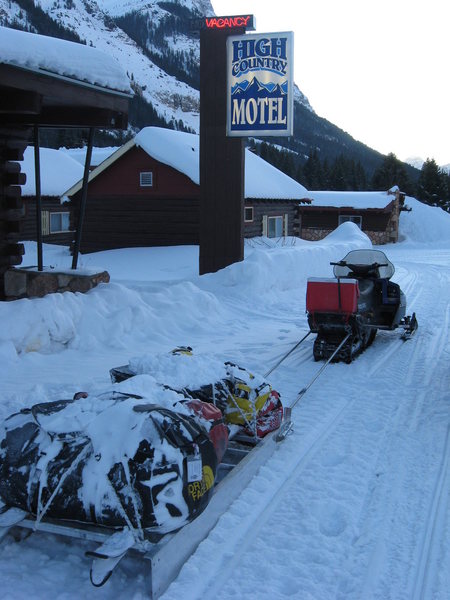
<point x="332" y="295"/>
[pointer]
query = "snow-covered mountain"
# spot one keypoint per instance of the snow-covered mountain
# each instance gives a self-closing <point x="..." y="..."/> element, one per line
<point x="155" y="44"/>
<point x="103" y="24"/>
<point x="417" y="162"/>
<point x="151" y="39"/>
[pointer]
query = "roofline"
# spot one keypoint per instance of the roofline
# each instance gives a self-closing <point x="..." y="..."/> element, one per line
<point x="101" y="167"/>
<point x="271" y="199"/>
<point x="132" y="143"/>
<point x="354" y="208"/>
<point x="67" y="79"/>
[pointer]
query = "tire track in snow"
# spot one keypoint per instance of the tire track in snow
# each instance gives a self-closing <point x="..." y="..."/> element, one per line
<point x="416" y="366"/>
<point x="245" y="526"/>
<point x="248" y="535"/>
<point x="408" y="284"/>
<point x="429" y="366"/>
<point x="428" y="561"/>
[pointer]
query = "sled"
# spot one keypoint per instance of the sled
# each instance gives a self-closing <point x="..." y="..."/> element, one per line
<point x="181" y="456"/>
<point x="164" y="557"/>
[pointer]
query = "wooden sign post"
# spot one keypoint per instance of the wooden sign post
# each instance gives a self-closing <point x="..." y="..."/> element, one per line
<point x="221" y="157"/>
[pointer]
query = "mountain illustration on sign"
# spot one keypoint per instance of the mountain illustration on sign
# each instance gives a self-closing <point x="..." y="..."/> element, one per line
<point x="255" y="87"/>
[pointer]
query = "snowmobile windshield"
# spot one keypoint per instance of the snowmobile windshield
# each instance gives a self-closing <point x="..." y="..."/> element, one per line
<point x="364" y="263"/>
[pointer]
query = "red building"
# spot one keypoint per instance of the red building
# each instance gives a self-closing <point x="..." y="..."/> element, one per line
<point x="147" y="194"/>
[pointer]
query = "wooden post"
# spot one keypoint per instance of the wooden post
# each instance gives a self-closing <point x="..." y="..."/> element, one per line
<point x="37" y="181"/>
<point x="221" y="161"/>
<point x="83" y="200"/>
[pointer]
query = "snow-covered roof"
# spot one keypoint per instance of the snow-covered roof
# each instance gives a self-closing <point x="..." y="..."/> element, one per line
<point x="356" y="200"/>
<point x="97" y="157"/>
<point x="176" y="149"/>
<point x="60" y="58"/>
<point x="58" y="172"/>
<point x="180" y="150"/>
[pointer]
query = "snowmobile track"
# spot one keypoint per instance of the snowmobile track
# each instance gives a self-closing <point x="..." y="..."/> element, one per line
<point x="248" y="528"/>
<point x="433" y="529"/>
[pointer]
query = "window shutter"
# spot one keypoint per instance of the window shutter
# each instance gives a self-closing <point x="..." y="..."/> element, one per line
<point x="286" y="224"/>
<point x="264" y="225"/>
<point x="45" y="222"/>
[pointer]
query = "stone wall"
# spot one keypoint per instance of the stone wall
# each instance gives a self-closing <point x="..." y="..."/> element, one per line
<point x="313" y="234"/>
<point x="31" y="283"/>
<point x="376" y="237"/>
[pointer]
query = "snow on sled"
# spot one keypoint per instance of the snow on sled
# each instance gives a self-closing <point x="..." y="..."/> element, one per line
<point x="143" y="467"/>
<point x="357" y="302"/>
<point x="246" y="400"/>
<point x="112" y="460"/>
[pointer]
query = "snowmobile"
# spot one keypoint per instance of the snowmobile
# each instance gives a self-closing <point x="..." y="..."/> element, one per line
<point x="356" y="303"/>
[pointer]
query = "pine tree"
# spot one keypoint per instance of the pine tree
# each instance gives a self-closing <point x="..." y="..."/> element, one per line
<point x="432" y="187"/>
<point x="339" y="174"/>
<point x="391" y="172"/>
<point x="312" y="171"/>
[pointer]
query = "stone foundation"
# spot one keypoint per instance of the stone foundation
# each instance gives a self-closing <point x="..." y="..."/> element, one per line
<point x="376" y="237"/>
<point x="28" y="282"/>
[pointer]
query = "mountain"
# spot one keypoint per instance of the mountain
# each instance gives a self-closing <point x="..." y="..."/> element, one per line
<point x="417" y="162"/>
<point x="157" y="47"/>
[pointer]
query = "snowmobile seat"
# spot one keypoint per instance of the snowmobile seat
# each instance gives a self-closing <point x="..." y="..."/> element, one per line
<point x="332" y="295"/>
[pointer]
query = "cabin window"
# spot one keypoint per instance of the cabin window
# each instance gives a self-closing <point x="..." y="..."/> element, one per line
<point x="275" y="227"/>
<point x="353" y="218"/>
<point x="248" y="214"/>
<point x="59" y="222"/>
<point x="146" y="178"/>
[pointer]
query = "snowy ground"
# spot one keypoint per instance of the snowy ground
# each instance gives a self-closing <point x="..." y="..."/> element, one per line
<point x="353" y="505"/>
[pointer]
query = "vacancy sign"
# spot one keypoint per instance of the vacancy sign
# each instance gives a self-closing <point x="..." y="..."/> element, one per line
<point x="260" y="81"/>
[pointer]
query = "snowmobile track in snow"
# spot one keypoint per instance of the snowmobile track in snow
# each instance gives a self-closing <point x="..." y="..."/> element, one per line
<point x="248" y="528"/>
<point x="433" y="528"/>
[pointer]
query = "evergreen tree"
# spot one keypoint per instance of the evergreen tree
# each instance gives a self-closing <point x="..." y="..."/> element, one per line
<point x="433" y="185"/>
<point x="391" y="172"/>
<point x="339" y="175"/>
<point x="312" y="171"/>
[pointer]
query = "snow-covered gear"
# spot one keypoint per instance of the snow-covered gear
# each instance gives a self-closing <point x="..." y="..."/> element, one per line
<point x="114" y="460"/>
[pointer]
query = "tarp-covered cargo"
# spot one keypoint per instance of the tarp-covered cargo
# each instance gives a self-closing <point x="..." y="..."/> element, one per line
<point x="113" y="460"/>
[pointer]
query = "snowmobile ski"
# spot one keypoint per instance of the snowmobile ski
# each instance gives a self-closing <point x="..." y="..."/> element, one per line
<point x="410" y="326"/>
<point x="108" y="555"/>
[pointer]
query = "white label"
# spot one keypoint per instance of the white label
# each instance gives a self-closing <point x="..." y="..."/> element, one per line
<point x="194" y="467"/>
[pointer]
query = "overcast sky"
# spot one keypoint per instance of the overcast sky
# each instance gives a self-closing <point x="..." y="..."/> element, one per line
<point x="379" y="70"/>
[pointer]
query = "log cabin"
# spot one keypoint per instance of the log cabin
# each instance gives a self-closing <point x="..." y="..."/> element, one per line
<point x="147" y="194"/>
<point x="58" y="172"/>
<point x="47" y="82"/>
<point x="375" y="213"/>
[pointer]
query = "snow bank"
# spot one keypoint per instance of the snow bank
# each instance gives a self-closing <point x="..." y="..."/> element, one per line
<point x="270" y="269"/>
<point x="117" y="315"/>
<point x="424" y="224"/>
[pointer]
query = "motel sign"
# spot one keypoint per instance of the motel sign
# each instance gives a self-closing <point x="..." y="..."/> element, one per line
<point x="260" y="84"/>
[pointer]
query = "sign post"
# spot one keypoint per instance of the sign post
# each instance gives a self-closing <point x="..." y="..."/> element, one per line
<point x="246" y="88"/>
<point x="221" y="157"/>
